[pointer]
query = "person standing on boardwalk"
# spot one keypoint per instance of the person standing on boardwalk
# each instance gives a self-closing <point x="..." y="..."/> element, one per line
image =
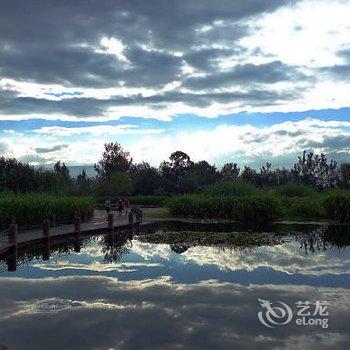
<point x="120" y="206"/>
<point x="108" y="205"/>
<point x="126" y="205"/>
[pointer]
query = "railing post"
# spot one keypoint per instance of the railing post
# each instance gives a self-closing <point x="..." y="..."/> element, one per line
<point x="46" y="250"/>
<point x="77" y="225"/>
<point x="54" y="223"/>
<point x="12" y="258"/>
<point x="110" y="220"/>
<point x="46" y="228"/>
<point x="77" y="245"/>
<point x="13" y="234"/>
<point x="131" y="217"/>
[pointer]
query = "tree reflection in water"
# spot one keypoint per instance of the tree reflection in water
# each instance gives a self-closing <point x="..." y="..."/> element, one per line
<point x="325" y="237"/>
<point x="179" y="248"/>
<point x="115" y="246"/>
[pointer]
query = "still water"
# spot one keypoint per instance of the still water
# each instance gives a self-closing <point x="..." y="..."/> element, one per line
<point x="165" y="287"/>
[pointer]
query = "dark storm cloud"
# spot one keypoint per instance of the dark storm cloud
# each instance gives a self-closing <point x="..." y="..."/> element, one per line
<point x="51" y="149"/>
<point x="84" y="107"/>
<point x="339" y="71"/>
<point x="83" y="67"/>
<point x="246" y="74"/>
<point x="207" y="59"/>
<point x="332" y="143"/>
<point x="253" y="97"/>
<point x="11" y="103"/>
<point x="59" y="42"/>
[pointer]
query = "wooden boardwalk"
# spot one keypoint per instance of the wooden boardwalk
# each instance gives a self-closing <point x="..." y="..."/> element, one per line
<point x="98" y="224"/>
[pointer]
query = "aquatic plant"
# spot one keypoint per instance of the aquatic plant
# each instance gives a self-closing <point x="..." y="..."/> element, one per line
<point x="224" y="239"/>
<point x="147" y="200"/>
<point x="252" y="209"/>
<point x="32" y="209"/>
<point x="337" y="205"/>
<point x="303" y="208"/>
<point x="294" y="190"/>
<point x="236" y="188"/>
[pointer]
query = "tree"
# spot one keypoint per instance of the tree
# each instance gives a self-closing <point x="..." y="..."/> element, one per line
<point x="16" y="176"/>
<point x="314" y="170"/>
<point x="283" y="176"/>
<point x="230" y="171"/>
<point x="180" y="162"/>
<point x="267" y="177"/>
<point x="83" y="183"/>
<point x="174" y="170"/>
<point x="198" y="175"/>
<point x="117" y="184"/>
<point x="345" y="175"/>
<point x="249" y="174"/>
<point x="114" y="159"/>
<point x="19" y="177"/>
<point x="146" y="179"/>
<point x="62" y="170"/>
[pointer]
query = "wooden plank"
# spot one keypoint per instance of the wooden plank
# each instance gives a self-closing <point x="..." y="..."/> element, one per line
<point x="98" y="225"/>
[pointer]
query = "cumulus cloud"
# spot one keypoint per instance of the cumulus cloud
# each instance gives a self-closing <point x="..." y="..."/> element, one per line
<point x="250" y="144"/>
<point x="245" y="144"/>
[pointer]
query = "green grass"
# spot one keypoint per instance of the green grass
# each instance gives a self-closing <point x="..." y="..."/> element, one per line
<point x="32" y="209"/>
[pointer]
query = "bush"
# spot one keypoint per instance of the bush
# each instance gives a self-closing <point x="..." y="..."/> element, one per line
<point x="32" y="209"/>
<point x="303" y="207"/>
<point x="337" y="206"/>
<point x="294" y="190"/>
<point x="236" y="188"/>
<point x="254" y="210"/>
<point x="147" y="200"/>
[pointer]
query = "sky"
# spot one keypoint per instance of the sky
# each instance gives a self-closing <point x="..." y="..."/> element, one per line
<point x="226" y="81"/>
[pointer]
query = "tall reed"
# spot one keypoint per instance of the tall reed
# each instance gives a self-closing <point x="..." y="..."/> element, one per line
<point x="32" y="209"/>
<point x="252" y="209"/>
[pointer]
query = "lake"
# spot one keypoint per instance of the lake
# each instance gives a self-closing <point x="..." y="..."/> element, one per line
<point x="181" y="285"/>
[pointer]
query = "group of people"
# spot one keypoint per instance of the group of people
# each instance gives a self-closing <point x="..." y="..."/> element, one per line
<point x="121" y="204"/>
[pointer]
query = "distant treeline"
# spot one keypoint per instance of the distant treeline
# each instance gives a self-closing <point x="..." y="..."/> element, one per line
<point x="117" y="174"/>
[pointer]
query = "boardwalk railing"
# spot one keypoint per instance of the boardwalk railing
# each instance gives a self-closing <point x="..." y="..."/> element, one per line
<point x="101" y="223"/>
